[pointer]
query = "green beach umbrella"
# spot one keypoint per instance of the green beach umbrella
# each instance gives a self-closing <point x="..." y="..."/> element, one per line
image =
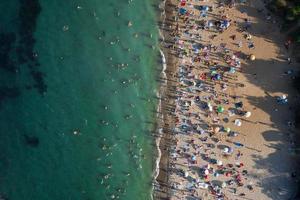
<point x="220" y="109"/>
<point x="227" y="129"/>
<point x="213" y="72"/>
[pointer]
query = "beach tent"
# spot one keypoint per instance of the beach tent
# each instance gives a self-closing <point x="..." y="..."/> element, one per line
<point x="182" y="11"/>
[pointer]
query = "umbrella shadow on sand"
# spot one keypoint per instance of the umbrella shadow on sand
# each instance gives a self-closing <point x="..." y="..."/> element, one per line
<point x="267" y="73"/>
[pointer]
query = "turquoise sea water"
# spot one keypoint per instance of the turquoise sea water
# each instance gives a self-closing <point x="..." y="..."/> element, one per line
<point x="77" y="99"/>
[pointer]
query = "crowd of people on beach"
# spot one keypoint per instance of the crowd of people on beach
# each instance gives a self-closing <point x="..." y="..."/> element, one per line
<point x="207" y="155"/>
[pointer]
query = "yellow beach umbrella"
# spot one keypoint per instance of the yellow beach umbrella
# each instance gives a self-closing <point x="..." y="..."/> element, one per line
<point x="252" y="57"/>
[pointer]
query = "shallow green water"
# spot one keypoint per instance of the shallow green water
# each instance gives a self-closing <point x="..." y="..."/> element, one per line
<point x="82" y="129"/>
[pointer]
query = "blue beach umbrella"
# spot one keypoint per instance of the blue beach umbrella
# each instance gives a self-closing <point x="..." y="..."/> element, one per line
<point x="182" y="11"/>
<point x="232" y="70"/>
<point x="203" y="8"/>
<point x="218" y="77"/>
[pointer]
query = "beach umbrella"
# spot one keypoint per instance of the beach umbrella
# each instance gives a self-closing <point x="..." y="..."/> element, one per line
<point x="183" y="2"/>
<point x="232" y="70"/>
<point x="227" y="129"/>
<point x="220" y="109"/>
<point x="205" y="8"/>
<point x="218" y="77"/>
<point x="182" y="11"/>
<point x="223" y="185"/>
<point x="210" y="24"/>
<point x="247" y="114"/>
<point x="193" y="158"/>
<point x="219" y="163"/>
<point x="238" y="122"/>
<point x="213" y="72"/>
<point x="248" y="36"/>
<point x="206" y="172"/>
<point x="252" y="57"/>
<point x="225" y="24"/>
<point x="186" y="174"/>
<point x="226" y="150"/>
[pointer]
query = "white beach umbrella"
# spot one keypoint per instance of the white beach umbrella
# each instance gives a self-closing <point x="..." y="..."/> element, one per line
<point x="248" y="114"/>
<point x="252" y="57"/>
<point x="238" y="122"/>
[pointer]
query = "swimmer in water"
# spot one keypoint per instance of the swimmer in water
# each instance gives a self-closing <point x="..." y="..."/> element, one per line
<point x="132" y="105"/>
<point x="106" y="176"/>
<point x="129" y="24"/>
<point x="65" y="28"/>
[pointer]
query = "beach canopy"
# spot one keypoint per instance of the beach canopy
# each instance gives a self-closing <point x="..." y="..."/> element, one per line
<point x="220" y="109"/>
<point x="182" y="11"/>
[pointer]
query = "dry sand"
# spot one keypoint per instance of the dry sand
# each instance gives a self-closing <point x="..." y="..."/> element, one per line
<point x="267" y="154"/>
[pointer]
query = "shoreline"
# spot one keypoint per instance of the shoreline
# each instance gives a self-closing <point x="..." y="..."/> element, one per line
<point x="166" y="136"/>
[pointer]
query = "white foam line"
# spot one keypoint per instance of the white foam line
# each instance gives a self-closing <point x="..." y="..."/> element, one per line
<point x="159" y="94"/>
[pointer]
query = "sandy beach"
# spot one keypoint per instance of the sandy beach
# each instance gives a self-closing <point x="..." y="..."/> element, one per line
<point x="228" y="107"/>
